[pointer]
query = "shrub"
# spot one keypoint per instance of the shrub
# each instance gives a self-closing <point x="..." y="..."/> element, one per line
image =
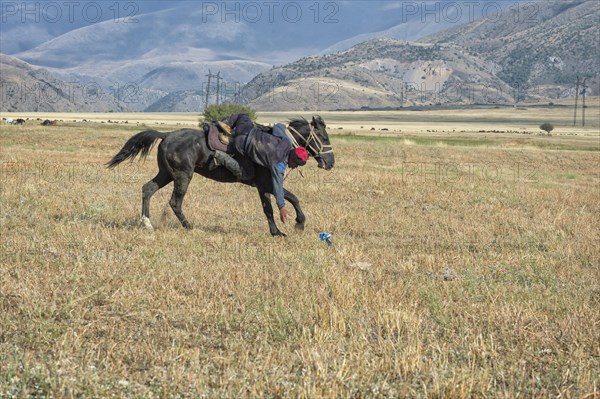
<point x="547" y="127"/>
<point x="217" y="112"/>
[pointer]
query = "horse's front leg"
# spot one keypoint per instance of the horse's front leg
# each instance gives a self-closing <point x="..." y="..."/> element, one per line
<point x="265" y="199"/>
<point x="300" y="218"/>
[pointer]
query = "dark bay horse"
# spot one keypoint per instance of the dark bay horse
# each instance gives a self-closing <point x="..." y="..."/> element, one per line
<point x="185" y="151"/>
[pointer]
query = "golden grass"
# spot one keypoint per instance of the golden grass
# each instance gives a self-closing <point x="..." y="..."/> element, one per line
<point x="456" y="271"/>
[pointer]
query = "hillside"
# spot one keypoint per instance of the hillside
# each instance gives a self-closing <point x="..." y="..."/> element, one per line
<point x="377" y="74"/>
<point x="542" y="47"/>
<point x="532" y="51"/>
<point x="171" y="49"/>
<point x="416" y="20"/>
<point x="179" y="101"/>
<point x="165" y="48"/>
<point x="157" y="73"/>
<point x="158" y="59"/>
<point x="176" y="76"/>
<point x="30" y="89"/>
<point x="153" y="54"/>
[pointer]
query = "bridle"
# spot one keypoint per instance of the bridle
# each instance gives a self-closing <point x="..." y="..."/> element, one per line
<point x="321" y="148"/>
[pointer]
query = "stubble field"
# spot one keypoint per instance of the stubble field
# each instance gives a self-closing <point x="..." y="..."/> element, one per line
<point x="465" y="263"/>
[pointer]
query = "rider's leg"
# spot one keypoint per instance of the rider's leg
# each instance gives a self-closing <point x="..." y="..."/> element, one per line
<point x="226" y="160"/>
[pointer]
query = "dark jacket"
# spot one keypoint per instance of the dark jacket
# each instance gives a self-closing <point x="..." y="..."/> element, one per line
<point x="265" y="149"/>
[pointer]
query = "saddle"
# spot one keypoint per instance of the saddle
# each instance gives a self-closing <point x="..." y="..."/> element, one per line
<point x="219" y="139"/>
<point x="220" y="136"/>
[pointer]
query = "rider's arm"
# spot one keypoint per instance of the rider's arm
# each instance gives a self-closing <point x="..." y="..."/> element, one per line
<point x="277" y="173"/>
<point x="241" y="123"/>
<point x="279" y="131"/>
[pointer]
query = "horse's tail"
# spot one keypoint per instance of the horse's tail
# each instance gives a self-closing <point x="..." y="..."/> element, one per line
<point x="140" y="143"/>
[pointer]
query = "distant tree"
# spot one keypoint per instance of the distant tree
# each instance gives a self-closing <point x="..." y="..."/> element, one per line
<point x="547" y="127"/>
<point x="217" y="112"/>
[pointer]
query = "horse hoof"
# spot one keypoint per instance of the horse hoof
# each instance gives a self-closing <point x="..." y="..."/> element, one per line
<point x="146" y="223"/>
<point x="187" y="226"/>
<point x="299" y="227"/>
<point x="279" y="234"/>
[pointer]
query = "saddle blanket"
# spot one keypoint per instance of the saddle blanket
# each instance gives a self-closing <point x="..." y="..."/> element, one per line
<point x="216" y="140"/>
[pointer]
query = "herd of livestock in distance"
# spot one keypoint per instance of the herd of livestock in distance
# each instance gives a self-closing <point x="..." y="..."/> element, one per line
<point x="45" y="122"/>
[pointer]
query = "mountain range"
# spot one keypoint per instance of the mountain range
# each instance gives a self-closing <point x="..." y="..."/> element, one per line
<point x="298" y="55"/>
<point x="534" y="51"/>
<point x="27" y="88"/>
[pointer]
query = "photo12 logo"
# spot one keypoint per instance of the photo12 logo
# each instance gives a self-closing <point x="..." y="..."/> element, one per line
<point x="270" y="11"/>
<point x="467" y="11"/>
<point x="19" y="173"/>
<point x="70" y="11"/>
<point x="470" y="173"/>
<point x="90" y="93"/>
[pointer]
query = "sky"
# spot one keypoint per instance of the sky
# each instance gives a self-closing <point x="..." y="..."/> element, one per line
<point x="314" y="25"/>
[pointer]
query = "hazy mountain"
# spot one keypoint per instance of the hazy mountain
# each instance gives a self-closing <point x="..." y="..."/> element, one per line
<point x="177" y="76"/>
<point x="194" y="31"/>
<point x="179" y="101"/>
<point x="154" y="44"/>
<point x="69" y="34"/>
<point x="27" y="88"/>
<point x="27" y="24"/>
<point x="155" y="55"/>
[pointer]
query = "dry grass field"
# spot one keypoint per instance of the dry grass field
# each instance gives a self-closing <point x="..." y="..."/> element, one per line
<point x="465" y="264"/>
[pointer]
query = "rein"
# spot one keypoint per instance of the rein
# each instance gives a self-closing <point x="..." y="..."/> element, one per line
<point x="287" y="174"/>
<point x="311" y="137"/>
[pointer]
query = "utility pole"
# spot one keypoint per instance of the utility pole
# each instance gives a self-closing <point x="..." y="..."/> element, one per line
<point x="402" y="95"/>
<point x="583" y="95"/>
<point x="207" y="88"/>
<point x="237" y="97"/>
<point x="209" y="85"/>
<point x="219" y="78"/>
<point x="576" y="101"/>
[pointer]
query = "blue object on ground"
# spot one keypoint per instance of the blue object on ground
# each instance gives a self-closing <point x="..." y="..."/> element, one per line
<point x="327" y="238"/>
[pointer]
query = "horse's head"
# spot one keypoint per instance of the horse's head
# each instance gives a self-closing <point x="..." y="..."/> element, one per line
<point x="313" y="136"/>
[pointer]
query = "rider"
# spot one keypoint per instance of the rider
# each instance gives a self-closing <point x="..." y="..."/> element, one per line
<point x="274" y="151"/>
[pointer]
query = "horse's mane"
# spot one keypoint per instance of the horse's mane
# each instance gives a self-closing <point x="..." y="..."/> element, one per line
<point x="296" y="123"/>
<point x="300" y="121"/>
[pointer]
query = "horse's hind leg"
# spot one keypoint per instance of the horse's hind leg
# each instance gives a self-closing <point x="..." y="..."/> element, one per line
<point x="148" y="190"/>
<point x="181" y="182"/>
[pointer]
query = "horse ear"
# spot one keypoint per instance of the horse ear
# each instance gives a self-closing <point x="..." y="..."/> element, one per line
<point x="316" y="120"/>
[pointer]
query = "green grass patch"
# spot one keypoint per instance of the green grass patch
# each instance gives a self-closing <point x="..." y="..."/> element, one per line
<point x="426" y="141"/>
<point x="466" y="142"/>
<point x="547" y="145"/>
